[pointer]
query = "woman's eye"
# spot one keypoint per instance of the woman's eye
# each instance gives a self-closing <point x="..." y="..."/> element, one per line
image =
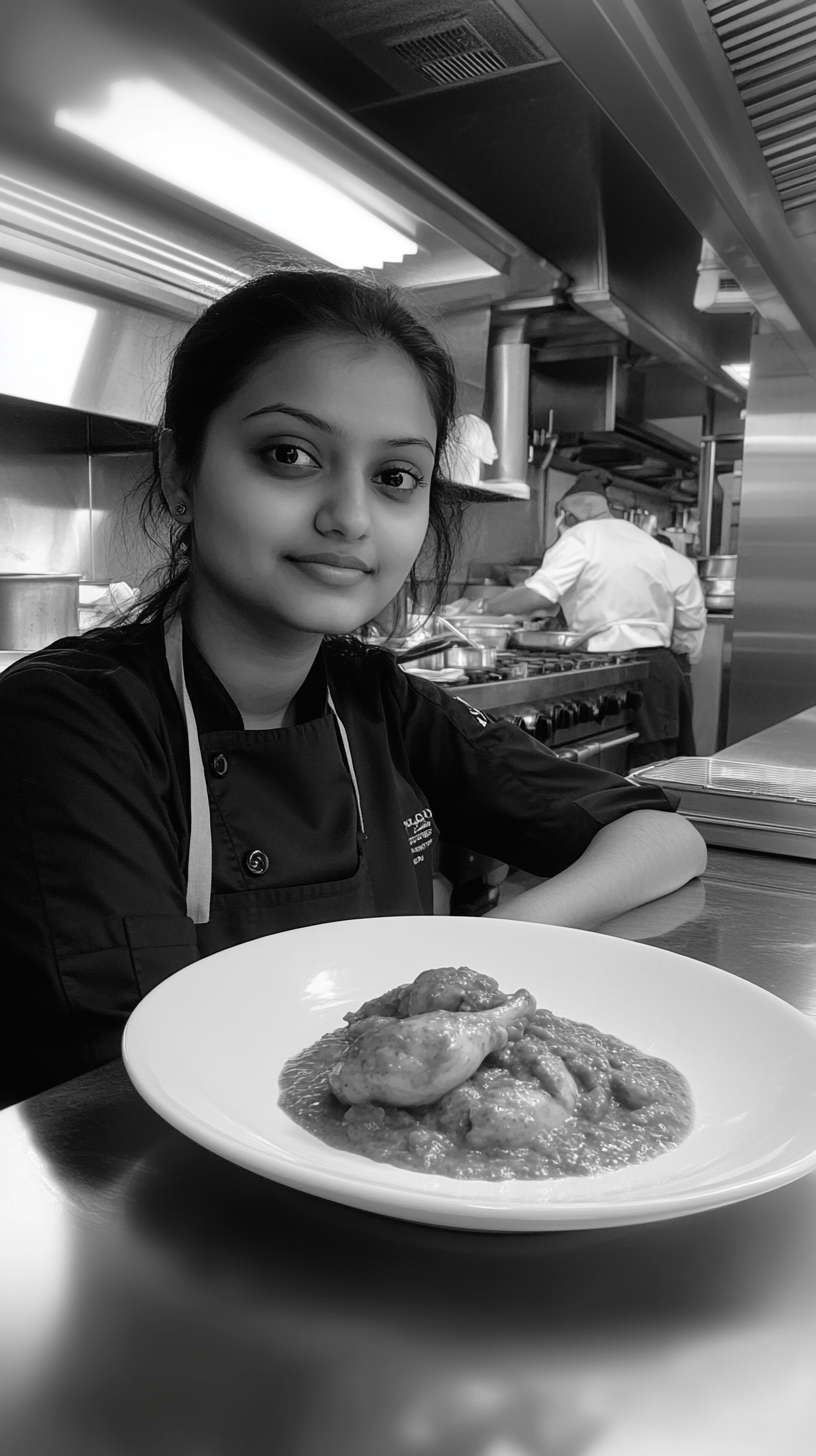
<point x="395" y="478"/>
<point x="287" y="455"/>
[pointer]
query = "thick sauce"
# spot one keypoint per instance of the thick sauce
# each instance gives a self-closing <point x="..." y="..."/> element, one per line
<point x="608" y="1105"/>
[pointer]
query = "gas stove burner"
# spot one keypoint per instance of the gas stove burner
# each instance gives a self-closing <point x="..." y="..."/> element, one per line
<point x="553" y="662"/>
<point x="510" y="665"/>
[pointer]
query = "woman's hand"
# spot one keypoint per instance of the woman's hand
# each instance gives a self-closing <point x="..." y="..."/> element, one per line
<point x="638" y="858"/>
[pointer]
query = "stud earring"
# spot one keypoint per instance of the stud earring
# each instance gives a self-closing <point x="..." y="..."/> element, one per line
<point x="181" y="509"/>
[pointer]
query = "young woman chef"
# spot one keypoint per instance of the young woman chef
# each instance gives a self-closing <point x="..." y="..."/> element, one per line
<point x="235" y="761"/>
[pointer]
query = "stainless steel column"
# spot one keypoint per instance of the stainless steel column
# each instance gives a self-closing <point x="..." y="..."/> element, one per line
<point x="508" y="400"/>
<point x="705" y="497"/>
<point x="773" y="671"/>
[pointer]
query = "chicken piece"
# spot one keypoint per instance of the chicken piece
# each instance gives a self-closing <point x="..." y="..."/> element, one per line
<point x="416" y="1060"/>
<point x="556" y="1079"/>
<point x="388" y="1004"/>
<point x="446" y="988"/>
<point x="510" y="1114"/>
<point x="452" y="988"/>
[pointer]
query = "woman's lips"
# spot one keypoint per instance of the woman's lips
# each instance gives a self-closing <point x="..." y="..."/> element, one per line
<point x="331" y="569"/>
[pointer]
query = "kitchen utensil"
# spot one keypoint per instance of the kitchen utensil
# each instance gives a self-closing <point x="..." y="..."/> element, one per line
<point x="36" y="608"/>
<point x="430" y="646"/>
<point x="719" y="593"/>
<point x="206" y="1047"/>
<point x="460" y="656"/>
<point x="713" y="568"/>
<point x="484" y="633"/>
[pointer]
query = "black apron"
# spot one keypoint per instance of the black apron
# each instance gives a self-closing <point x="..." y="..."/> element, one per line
<point x="663" y="719"/>
<point x="225" y="920"/>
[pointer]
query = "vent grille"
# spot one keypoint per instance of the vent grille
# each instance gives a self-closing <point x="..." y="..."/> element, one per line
<point x="771" y="49"/>
<point x="458" y="53"/>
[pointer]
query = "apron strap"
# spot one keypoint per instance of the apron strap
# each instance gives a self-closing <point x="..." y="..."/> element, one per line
<point x="349" y="760"/>
<point x="199" y="859"/>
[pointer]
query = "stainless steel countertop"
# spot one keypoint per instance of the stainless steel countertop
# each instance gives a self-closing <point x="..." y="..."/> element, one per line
<point x="790" y="744"/>
<point x="157" y="1299"/>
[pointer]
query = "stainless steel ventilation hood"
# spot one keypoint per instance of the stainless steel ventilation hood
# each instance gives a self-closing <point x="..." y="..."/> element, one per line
<point x="717" y="98"/>
<point x="125" y="260"/>
<point x="531" y="146"/>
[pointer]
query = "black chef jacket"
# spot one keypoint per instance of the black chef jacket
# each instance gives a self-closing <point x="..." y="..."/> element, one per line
<point x="95" y="824"/>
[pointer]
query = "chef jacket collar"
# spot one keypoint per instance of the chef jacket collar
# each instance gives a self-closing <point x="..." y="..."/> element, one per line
<point x="215" y="710"/>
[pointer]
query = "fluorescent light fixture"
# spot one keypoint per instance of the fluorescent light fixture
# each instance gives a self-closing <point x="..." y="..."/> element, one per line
<point x="740" y="372"/>
<point x="152" y="127"/>
<point x="42" y="343"/>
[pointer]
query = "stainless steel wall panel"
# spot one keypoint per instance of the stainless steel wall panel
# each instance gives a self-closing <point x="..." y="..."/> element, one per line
<point x="773" y="673"/>
<point x="44" y="521"/>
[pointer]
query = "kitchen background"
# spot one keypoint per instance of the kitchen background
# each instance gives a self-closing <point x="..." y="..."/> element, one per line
<point x="605" y="274"/>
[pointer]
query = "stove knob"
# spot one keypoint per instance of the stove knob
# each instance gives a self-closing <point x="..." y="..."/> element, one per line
<point x="562" y="717"/>
<point x="633" y="700"/>
<point x="585" y="713"/>
<point x="544" y="727"/>
<point x="572" y="712"/>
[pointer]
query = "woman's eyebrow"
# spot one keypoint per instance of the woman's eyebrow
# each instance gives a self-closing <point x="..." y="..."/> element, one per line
<point x="409" y="440"/>
<point x="288" y="409"/>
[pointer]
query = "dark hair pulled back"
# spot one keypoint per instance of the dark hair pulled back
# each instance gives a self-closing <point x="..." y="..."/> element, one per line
<point x="247" y="325"/>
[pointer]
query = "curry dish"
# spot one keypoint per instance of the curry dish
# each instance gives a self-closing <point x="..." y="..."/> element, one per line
<point x="448" y="1075"/>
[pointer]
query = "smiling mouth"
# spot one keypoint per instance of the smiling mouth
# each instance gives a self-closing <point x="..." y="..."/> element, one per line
<point x="331" y="559"/>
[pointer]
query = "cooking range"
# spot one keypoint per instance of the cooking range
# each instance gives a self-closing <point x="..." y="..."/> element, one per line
<point x="581" y="705"/>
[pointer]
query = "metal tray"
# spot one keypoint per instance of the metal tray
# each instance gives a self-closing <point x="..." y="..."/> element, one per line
<point x="762" y="807"/>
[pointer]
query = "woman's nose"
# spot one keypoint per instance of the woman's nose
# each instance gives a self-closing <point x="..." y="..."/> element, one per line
<point x="345" y="509"/>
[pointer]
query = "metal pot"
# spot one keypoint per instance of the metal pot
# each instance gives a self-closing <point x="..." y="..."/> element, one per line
<point x="461" y="657"/>
<point x="37" y="608"/>
<point x="716" y="568"/>
<point x="484" y="634"/>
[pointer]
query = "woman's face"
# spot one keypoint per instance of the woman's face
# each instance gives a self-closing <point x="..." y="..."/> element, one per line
<point x="311" y="501"/>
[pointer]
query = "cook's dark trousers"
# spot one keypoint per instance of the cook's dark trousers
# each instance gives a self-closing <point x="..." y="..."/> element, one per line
<point x="664" y="717"/>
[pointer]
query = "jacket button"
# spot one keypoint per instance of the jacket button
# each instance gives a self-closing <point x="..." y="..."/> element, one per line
<point x="219" y="764"/>
<point x="256" y="862"/>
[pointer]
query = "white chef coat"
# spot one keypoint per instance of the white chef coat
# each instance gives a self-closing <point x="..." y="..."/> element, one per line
<point x="689" y="626"/>
<point x="610" y="576"/>
<point x="471" y="445"/>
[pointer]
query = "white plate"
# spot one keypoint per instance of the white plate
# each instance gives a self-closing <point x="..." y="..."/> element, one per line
<point x="206" y="1047"/>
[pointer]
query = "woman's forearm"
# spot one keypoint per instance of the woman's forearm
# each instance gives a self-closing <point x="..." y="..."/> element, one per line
<point x="638" y="858"/>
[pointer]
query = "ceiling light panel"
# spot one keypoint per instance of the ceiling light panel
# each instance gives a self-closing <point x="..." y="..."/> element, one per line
<point x="164" y="133"/>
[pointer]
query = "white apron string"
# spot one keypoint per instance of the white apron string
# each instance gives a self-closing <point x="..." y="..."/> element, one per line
<point x="199" y="860"/>
<point x="349" y="760"/>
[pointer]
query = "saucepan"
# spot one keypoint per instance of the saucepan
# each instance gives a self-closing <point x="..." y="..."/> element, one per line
<point x="425" y="649"/>
<point x="461" y="656"/>
<point x="486" y="634"/>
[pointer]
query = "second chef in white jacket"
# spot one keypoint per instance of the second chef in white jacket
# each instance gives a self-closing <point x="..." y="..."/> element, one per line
<point x="619" y="587"/>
